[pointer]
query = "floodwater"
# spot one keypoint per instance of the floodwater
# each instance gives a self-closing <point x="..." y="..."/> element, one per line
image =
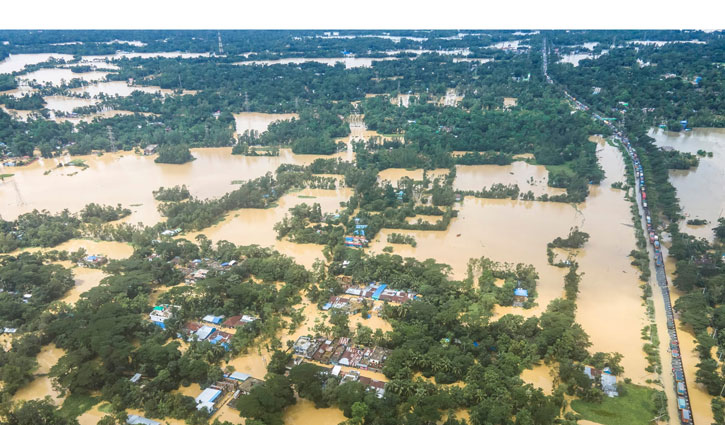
<point x="253" y="363"/>
<point x="92" y="416"/>
<point x="258" y="121"/>
<point x="42" y="385"/>
<point x="256" y="226"/>
<point x="527" y="176"/>
<point x="117" y="88"/>
<point x="540" y="377"/>
<point x="349" y="62"/>
<point x="575" y="58"/>
<point x="699" y="189"/>
<point x="609" y="304"/>
<point x="67" y="103"/>
<point x="56" y="76"/>
<point x="393" y="175"/>
<point x="129" y="179"/>
<point x="699" y="397"/>
<point x="305" y="413"/>
<point x="15" y="63"/>
<point x="86" y="279"/>
<point x="518" y="231"/>
<point x="131" y="55"/>
<point x="18" y="114"/>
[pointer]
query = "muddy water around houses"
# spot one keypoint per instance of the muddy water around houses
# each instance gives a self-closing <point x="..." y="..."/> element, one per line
<point x="700" y="189"/>
<point x="129" y="179"/>
<point x="518" y="231"/>
<point x="393" y="175"/>
<point x="258" y="121"/>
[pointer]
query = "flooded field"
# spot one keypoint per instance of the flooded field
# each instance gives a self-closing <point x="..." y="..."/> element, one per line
<point x="255" y="226"/>
<point x="117" y="88"/>
<point x="67" y="103"/>
<point x="699" y="189"/>
<point x="349" y="62"/>
<point x="15" y="63"/>
<point x="57" y="76"/>
<point x="526" y="176"/>
<point x="125" y="177"/>
<point x="258" y="121"/>
<point x="393" y="175"/>
<point x="518" y="231"/>
<point x="609" y="305"/>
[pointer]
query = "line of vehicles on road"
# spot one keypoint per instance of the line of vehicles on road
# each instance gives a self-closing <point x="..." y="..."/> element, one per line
<point x="683" y="398"/>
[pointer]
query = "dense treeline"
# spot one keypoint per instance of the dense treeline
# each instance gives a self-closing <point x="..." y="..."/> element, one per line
<point x="700" y="273"/>
<point x="174" y="154"/>
<point x="175" y="194"/>
<point x="313" y="133"/>
<point x="662" y="83"/>
<point x="43" y="229"/>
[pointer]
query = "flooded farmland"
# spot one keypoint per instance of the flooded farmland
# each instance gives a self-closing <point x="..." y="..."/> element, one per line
<point x="258" y="121"/>
<point x="518" y="231"/>
<point x="124" y="178"/>
<point x="699" y="189"/>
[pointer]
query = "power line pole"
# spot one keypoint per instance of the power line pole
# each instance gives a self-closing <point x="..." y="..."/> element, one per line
<point x="111" y="138"/>
<point x="221" y="46"/>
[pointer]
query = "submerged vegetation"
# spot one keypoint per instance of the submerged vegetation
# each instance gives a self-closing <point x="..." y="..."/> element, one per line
<point x="456" y="344"/>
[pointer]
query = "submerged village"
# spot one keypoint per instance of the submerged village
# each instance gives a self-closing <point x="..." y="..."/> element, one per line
<point x="362" y="227"/>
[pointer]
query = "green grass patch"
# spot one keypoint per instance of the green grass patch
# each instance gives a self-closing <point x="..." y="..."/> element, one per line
<point x="105" y="408"/>
<point x="307" y="197"/>
<point x="76" y="404"/>
<point x="635" y="407"/>
<point x="5" y="176"/>
<point x="562" y="168"/>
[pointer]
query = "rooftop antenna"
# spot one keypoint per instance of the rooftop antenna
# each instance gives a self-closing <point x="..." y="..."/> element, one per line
<point x="221" y="46"/>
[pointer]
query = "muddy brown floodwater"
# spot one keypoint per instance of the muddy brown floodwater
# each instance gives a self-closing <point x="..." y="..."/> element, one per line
<point x="526" y="176"/>
<point x="256" y="226"/>
<point x="129" y="179"/>
<point x="15" y="63"/>
<point x="305" y="413"/>
<point x="700" y="189"/>
<point x="258" y="121"/>
<point x="609" y="306"/>
<point x="42" y="385"/>
<point x="699" y="398"/>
